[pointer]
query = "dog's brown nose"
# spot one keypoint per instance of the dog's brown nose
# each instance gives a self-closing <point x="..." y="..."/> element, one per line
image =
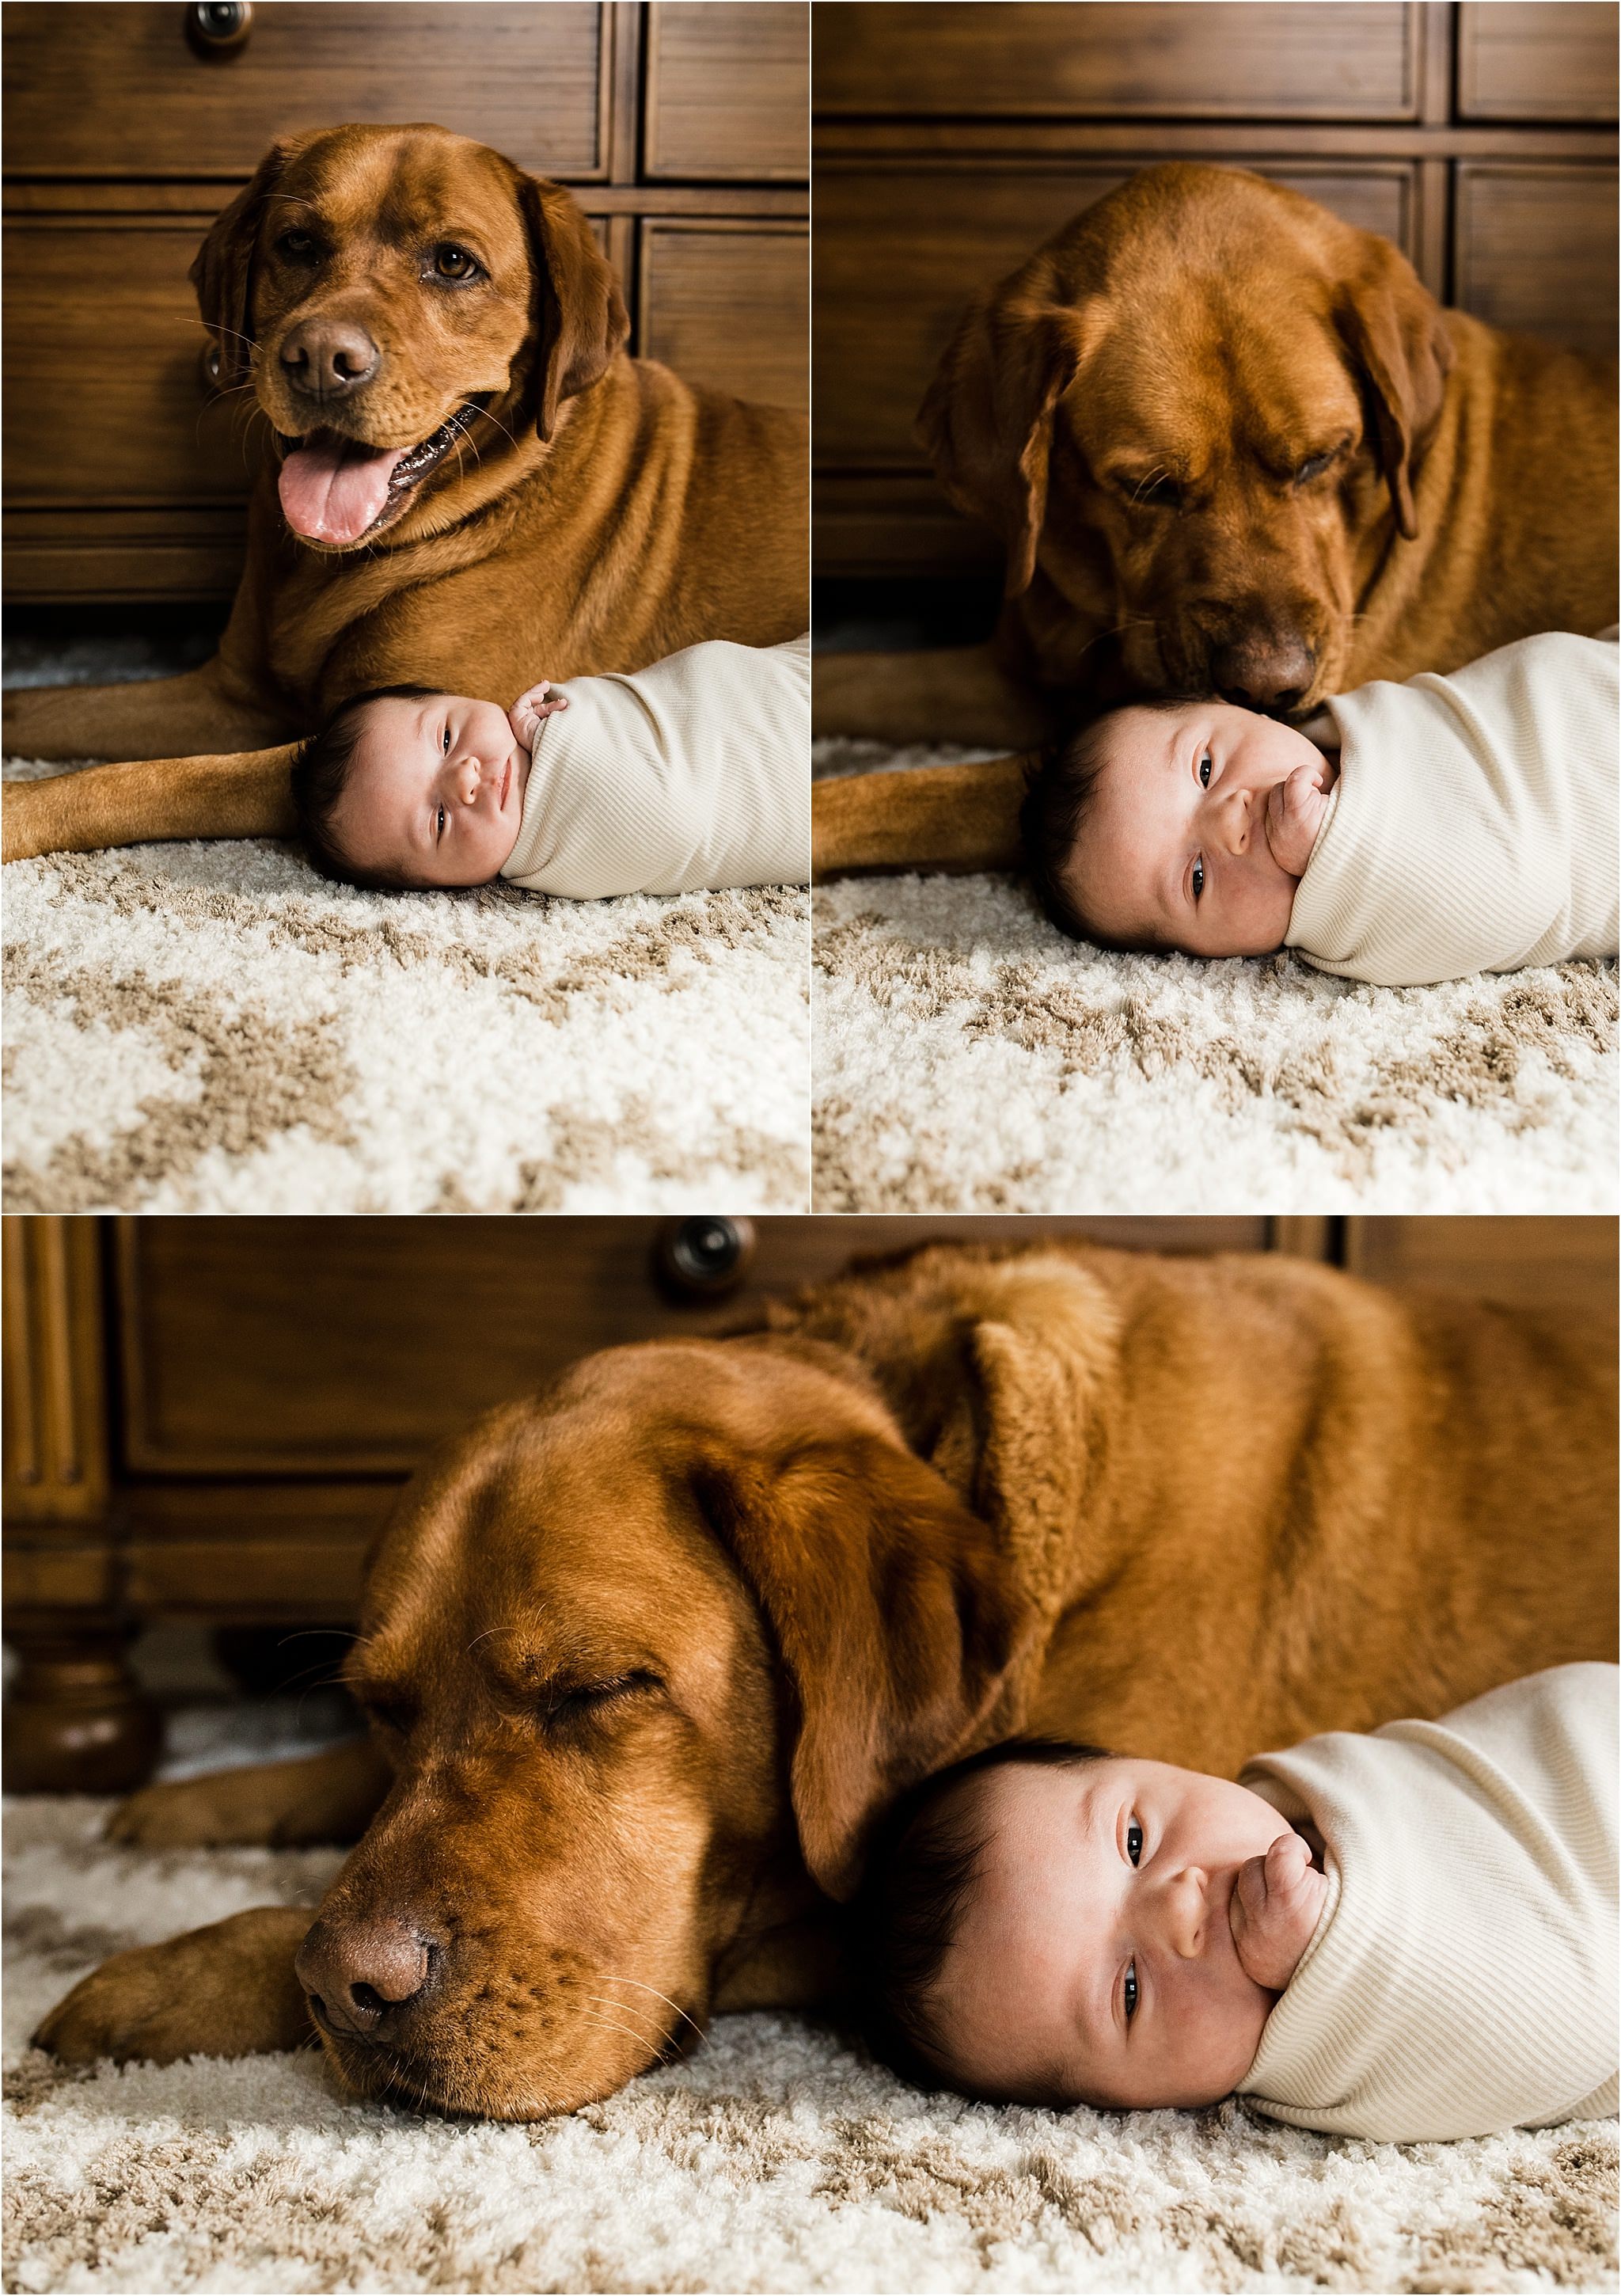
<point x="358" y="1973"/>
<point x="326" y="358"/>
<point x="1264" y="669"/>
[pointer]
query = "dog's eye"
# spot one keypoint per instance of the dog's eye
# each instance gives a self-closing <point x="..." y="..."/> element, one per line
<point x="1311" y="468"/>
<point x="583" y="1701"/>
<point x="454" y="263"/>
<point x="1158" y="494"/>
<point x="297" y="246"/>
<point x="389" y="1713"/>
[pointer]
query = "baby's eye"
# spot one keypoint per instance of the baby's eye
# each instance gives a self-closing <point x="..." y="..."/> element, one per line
<point x="444" y="741"/>
<point x="1198" y="878"/>
<point x="439" y="825"/>
<point x="1204" y="770"/>
<point x="1133" y="1842"/>
<point x="1131" y="1991"/>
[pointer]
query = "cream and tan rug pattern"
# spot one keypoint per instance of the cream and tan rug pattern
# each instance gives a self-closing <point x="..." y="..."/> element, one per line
<point x="776" y="2159"/>
<point x="969" y="1058"/>
<point x="202" y="1027"/>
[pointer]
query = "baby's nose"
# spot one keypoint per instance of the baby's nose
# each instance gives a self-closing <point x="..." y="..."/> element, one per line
<point x="1185" y="1911"/>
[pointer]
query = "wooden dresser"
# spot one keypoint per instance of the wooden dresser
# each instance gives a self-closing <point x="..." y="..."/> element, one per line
<point x="949" y="140"/>
<point x="680" y="125"/>
<point x="207" y="1419"/>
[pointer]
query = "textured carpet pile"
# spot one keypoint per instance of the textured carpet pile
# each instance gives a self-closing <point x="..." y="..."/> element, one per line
<point x="969" y="1058"/>
<point x="777" y="2158"/>
<point x="203" y="1027"/>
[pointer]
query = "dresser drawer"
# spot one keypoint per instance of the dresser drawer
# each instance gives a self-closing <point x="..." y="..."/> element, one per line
<point x="533" y="81"/>
<point x="728" y="305"/>
<point x="1324" y="61"/>
<point x="105" y="400"/>
<point x="1534" y="249"/>
<point x="728" y="91"/>
<point x="897" y="257"/>
<point x="1543" y="61"/>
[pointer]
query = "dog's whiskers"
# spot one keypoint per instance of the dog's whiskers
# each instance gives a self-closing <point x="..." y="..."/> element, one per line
<point x="613" y="1977"/>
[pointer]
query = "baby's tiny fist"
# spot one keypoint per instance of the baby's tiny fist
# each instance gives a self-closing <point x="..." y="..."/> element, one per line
<point x="1276" y="1901"/>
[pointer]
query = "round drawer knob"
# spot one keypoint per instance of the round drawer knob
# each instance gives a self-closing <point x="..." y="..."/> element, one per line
<point x="700" y="1258"/>
<point x="218" y="28"/>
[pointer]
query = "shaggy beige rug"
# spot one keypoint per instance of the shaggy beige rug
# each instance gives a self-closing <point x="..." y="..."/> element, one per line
<point x="970" y="1058"/>
<point x="203" y="1027"/>
<point x="778" y="2158"/>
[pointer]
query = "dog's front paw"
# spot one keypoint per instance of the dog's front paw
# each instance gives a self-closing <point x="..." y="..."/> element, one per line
<point x="225" y="1991"/>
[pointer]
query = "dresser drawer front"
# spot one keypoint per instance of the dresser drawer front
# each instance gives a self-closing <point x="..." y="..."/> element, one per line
<point x="1547" y="60"/>
<point x="1534" y="251"/>
<point x="1325" y="62"/>
<point x="530" y="80"/>
<point x="728" y="305"/>
<point x="728" y="91"/>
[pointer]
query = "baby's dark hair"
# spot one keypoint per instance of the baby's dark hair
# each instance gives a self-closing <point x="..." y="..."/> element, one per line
<point x="924" y="1859"/>
<point x="1052" y="818"/>
<point x="320" y="774"/>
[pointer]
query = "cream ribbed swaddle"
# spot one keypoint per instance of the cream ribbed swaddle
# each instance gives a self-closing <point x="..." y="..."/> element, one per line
<point x="1462" y="1976"/>
<point x="692" y="774"/>
<point x="1474" y="826"/>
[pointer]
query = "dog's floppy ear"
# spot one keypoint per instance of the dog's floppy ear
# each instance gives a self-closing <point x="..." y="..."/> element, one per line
<point x="986" y="418"/>
<point x="895" y="1615"/>
<point x="579" y="317"/>
<point x="222" y="270"/>
<point x="1393" y="328"/>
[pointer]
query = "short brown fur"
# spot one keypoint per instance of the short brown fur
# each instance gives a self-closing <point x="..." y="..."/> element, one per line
<point x="1189" y="1509"/>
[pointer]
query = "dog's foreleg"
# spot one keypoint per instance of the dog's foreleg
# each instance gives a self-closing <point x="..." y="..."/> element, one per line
<point x="956" y="693"/>
<point x="190" y="716"/>
<point x="951" y="818"/>
<point x="332" y="1796"/>
<point x="228" y="1990"/>
<point x="151" y="800"/>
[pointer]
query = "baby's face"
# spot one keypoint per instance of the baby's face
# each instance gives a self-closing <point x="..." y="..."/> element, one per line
<point x="434" y="792"/>
<point x="1095" y="1957"/>
<point x="1195" y="839"/>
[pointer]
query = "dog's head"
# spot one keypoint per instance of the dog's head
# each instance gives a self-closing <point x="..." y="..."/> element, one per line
<point x="404" y="302"/>
<point x="695" y="1616"/>
<point x="1201" y="407"/>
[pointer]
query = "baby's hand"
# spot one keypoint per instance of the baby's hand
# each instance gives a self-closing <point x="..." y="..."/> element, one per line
<point x="1294" y="815"/>
<point x="1274" y="1908"/>
<point x="526" y="712"/>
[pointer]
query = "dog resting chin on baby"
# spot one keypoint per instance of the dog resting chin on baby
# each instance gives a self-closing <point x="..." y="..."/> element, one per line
<point x="1407" y="834"/>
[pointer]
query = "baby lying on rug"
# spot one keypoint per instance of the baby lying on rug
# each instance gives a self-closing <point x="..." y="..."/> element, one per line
<point x="1404" y="1936"/>
<point x="689" y="774"/>
<point x="1410" y="834"/>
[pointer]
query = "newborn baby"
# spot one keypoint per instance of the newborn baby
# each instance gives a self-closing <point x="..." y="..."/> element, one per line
<point x="691" y="773"/>
<point x="1407" y="1935"/>
<point x="1409" y="833"/>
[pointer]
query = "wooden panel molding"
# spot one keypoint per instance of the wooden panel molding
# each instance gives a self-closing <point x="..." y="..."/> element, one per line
<point x="55" y="1398"/>
<point x="728" y="304"/>
<point x="728" y="91"/>
<point x="1547" y="60"/>
<point x="1536" y="251"/>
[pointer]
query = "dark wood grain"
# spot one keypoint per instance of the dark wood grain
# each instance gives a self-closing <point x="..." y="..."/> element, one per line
<point x="728" y="304"/>
<point x="113" y="87"/>
<point x="1536" y="251"/>
<point x="1545" y="60"/>
<point x="728" y="91"/>
<point x="1328" y="60"/>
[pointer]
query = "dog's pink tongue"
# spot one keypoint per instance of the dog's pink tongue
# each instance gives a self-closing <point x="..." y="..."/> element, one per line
<point x="333" y="489"/>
